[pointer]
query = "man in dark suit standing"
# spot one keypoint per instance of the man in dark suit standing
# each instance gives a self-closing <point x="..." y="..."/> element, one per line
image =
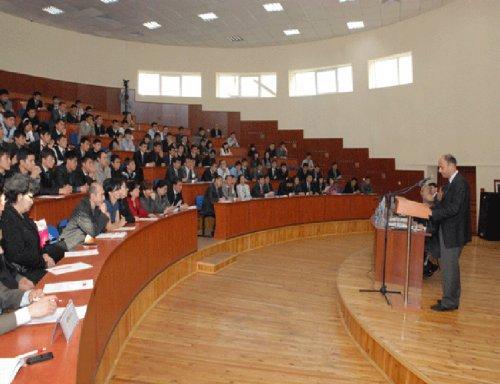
<point x="452" y="214"/>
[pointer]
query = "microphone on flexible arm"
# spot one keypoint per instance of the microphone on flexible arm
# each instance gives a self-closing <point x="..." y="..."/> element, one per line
<point x="422" y="182"/>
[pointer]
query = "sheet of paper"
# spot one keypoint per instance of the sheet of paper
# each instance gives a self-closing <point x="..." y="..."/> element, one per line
<point x="112" y="235"/>
<point x="80" y="311"/>
<point x="124" y="229"/>
<point x="50" y="197"/>
<point x="68" y="286"/>
<point x="82" y="253"/>
<point x="192" y="207"/>
<point x="9" y="368"/>
<point x="146" y="219"/>
<point x="68" y="268"/>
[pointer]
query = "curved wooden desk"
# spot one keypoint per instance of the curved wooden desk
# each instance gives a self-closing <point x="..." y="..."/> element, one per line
<point x="238" y="218"/>
<point x="55" y="210"/>
<point x="120" y="272"/>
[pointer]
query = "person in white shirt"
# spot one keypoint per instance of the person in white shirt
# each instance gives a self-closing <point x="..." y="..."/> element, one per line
<point x="223" y="170"/>
<point x="127" y="143"/>
<point x="232" y="141"/>
<point x="243" y="189"/>
<point x="225" y="150"/>
<point x="308" y="160"/>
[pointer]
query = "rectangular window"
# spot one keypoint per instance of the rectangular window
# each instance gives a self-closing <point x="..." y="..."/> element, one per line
<point x="246" y="85"/>
<point x="390" y="71"/>
<point x="168" y="84"/>
<point x="321" y="81"/>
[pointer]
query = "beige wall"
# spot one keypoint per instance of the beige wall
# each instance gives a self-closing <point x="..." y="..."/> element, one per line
<point x="453" y="105"/>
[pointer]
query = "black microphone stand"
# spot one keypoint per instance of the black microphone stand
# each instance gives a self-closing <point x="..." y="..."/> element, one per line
<point x="125" y="97"/>
<point x="389" y="196"/>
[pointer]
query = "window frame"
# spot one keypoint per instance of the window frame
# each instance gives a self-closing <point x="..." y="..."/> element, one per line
<point x="293" y="73"/>
<point x="180" y="75"/>
<point x="372" y="62"/>
<point x="246" y="74"/>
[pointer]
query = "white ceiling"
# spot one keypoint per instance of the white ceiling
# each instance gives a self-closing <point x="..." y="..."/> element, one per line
<point x="316" y="19"/>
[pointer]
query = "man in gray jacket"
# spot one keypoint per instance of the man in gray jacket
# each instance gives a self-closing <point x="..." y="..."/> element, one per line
<point x="90" y="217"/>
<point x="32" y="304"/>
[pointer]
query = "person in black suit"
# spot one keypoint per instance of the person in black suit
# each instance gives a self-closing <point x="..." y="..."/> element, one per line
<point x="303" y="172"/>
<point x="210" y="173"/>
<point x="215" y="132"/>
<point x="174" y="194"/>
<point x="334" y="172"/>
<point x="260" y="189"/>
<point x="157" y="156"/>
<point x="48" y="183"/>
<point x="35" y="101"/>
<point x="352" y="186"/>
<point x="283" y="172"/>
<point x="141" y="156"/>
<point x="309" y="186"/>
<point x="452" y="213"/>
<point x="274" y="171"/>
<point x="131" y="172"/>
<point x="38" y="145"/>
<point x="212" y="195"/>
<point x="174" y="172"/>
<point x="68" y="174"/>
<point x="21" y="241"/>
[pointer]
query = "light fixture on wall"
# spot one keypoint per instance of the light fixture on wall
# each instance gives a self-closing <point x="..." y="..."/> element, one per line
<point x="291" y="32"/>
<point x="208" y="16"/>
<point x="152" y="24"/>
<point x="355" y="24"/>
<point x="273" y="7"/>
<point x="52" y="10"/>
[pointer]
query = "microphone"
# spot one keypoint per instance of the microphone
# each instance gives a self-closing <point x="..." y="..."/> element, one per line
<point x="422" y="182"/>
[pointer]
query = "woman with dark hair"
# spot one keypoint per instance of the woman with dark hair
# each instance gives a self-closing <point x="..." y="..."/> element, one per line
<point x="21" y="241"/>
<point x="131" y="172"/>
<point x="113" y="192"/>
<point x="134" y="202"/>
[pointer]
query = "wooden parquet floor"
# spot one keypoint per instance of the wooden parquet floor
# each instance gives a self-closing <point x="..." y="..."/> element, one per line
<point x="271" y="317"/>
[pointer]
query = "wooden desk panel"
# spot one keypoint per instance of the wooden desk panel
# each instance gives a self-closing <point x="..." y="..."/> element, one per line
<point x="283" y="211"/>
<point x="55" y="210"/>
<point x="153" y="173"/>
<point x="191" y="190"/>
<point x="120" y="271"/>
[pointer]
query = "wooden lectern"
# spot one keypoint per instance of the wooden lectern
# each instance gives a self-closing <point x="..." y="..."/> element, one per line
<point x="411" y="209"/>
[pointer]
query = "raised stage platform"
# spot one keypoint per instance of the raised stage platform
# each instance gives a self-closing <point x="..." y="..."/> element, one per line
<point x="460" y="347"/>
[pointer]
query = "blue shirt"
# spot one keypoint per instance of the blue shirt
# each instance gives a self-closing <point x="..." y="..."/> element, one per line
<point x="112" y="209"/>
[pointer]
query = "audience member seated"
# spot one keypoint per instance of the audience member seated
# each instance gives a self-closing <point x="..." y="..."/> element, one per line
<point x="84" y="148"/>
<point x="87" y="127"/>
<point x="232" y="141"/>
<point x="79" y="109"/>
<point x="333" y="187"/>
<point x="174" y="195"/>
<point x="223" y="170"/>
<point x="116" y="166"/>
<point x="4" y="100"/>
<point x="215" y="132"/>
<point x="141" y="156"/>
<point x="59" y="129"/>
<point x="256" y="161"/>
<point x="316" y="173"/>
<point x="114" y="130"/>
<point x="267" y="161"/>
<point x="130" y="121"/>
<point x="366" y="186"/>
<point x="72" y="116"/>
<point x="303" y="171"/>
<point x="35" y="101"/>
<point x="212" y="195"/>
<point x="282" y="151"/>
<point x="320" y="185"/>
<point x="188" y="172"/>
<point x="272" y="150"/>
<point x="251" y="151"/>
<point x="68" y="174"/>
<point x="210" y="173"/>
<point x="236" y="170"/>
<point x="283" y="172"/>
<point x="59" y="113"/>
<point x="261" y="189"/>
<point x="334" y="172"/>
<point x="268" y="184"/>
<point x="132" y="173"/>
<point x="308" y="186"/>
<point x="31" y="116"/>
<point x="155" y="201"/>
<point x="225" y="150"/>
<point x="9" y="126"/>
<point x="88" y="111"/>
<point x="44" y="141"/>
<point x="128" y="142"/>
<point x="174" y="172"/>
<point x="26" y="166"/>
<point x="89" y="218"/>
<point x="228" y="189"/>
<point x="27" y="305"/>
<point x="286" y="187"/>
<point x="18" y="143"/>
<point x="258" y="172"/>
<point x="274" y="172"/>
<point x="5" y="164"/>
<point x="181" y="154"/>
<point x="48" y="182"/>
<point x="27" y="128"/>
<point x="116" y="192"/>
<point x="308" y="160"/>
<point x="351" y="186"/>
<point x="102" y="168"/>
<point x="134" y="201"/>
<point x="21" y="241"/>
<point x="95" y="149"/>
<point x="243" y="189"/>
<point x="157" y="156"/>
<point x="297" y="186"/>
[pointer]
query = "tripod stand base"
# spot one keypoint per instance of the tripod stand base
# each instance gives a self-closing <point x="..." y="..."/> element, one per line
<point x="383" y="291"/>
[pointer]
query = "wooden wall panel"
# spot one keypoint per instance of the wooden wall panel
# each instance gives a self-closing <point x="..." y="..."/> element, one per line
<point x="168" y="114"/>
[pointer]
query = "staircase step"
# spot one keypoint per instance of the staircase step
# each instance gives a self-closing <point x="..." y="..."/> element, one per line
<point x="214" y="263"/>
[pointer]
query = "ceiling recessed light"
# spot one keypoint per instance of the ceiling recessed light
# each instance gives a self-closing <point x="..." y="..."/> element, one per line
<point x="208" y="16"/>
<point x="52" y="10"/>
<point x="109" y="1"/>
<point x="273" y="7"/>
<point x="235" y="38"/>
<point x="355" y="24"/>
<point x="291" y="32"/>
<point x="152" y="25"/>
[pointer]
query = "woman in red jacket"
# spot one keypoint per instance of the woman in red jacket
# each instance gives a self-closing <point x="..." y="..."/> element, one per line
<point x="134" y="202"/>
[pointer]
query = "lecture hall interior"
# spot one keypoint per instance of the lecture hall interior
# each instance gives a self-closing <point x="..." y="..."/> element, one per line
<point x="249" y="191"/>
